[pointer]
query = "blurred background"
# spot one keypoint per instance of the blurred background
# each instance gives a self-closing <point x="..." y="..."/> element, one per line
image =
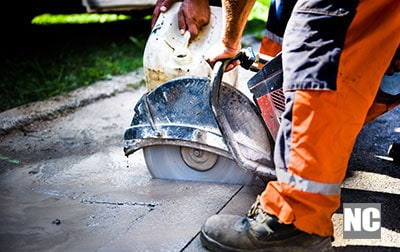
<point x="50" y="47"/>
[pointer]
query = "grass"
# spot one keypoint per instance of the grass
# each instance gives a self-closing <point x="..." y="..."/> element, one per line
<point x="49" y="60"/>
<point x="78" y="18"/>
<point x="58" y="59"/>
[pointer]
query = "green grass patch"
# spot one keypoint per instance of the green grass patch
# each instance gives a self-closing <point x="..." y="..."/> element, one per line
<point x="260" y="10"/>
<point x="81" y="18"/>
<point x="53" y="68"/>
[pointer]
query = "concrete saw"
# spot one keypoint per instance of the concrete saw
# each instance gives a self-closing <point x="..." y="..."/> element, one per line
<point x="180" y="137"/>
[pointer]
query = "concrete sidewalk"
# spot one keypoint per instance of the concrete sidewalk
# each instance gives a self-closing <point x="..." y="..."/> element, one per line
<point x="67" y="186"/>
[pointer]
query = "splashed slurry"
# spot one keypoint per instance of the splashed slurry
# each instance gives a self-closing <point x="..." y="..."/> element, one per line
<point x="66" y="185"/>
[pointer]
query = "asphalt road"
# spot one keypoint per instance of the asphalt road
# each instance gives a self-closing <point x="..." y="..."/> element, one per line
<point x="65" y="184"/>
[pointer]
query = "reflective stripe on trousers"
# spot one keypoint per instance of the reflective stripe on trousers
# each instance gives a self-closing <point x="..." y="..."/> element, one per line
<point x="319" y="128"/>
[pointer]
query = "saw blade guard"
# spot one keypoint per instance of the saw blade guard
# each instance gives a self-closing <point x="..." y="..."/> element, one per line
<point x="176" y="113"/>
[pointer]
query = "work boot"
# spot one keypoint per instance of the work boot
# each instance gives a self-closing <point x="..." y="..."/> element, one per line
<point x="258" y="231"/>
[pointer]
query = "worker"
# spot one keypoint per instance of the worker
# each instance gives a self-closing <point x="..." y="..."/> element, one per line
<point x="334" y="55"/>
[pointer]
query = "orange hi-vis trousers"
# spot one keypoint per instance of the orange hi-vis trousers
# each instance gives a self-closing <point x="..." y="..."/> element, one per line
<point x="319" y="126"/>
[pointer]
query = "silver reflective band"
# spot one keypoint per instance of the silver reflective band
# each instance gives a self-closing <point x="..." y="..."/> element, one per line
<point x="307" y="185"/>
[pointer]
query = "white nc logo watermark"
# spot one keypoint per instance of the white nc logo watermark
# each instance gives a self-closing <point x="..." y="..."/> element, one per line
<point x="361" y="220"/>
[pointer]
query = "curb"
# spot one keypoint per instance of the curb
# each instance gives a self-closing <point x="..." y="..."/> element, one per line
<point x="19" y="117"/>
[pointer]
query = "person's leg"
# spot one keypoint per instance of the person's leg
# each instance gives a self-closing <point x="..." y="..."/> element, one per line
<point x="278" y="15"/>
<point x="270" y="47"/>
<point x="317" y="135"/>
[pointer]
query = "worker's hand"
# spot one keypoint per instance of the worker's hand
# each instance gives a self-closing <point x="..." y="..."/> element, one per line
<point x="394" y="64"/>
<point x="220" y="51"/>
<point x="161" y="6"/>
<point x="192" y="15"/>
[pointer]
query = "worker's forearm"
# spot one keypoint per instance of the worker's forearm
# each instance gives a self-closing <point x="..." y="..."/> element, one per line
<point x="235" y="14"/>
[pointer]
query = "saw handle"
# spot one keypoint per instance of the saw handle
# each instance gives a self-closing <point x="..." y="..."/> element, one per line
<point x="216" y="80"/>
<point x="246" y="57"/>
<point x="226" y="114"/>
<point x="248" y="60"/>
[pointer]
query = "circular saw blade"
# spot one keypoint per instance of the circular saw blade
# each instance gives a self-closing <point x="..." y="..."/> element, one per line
<point x="167" y="162"/>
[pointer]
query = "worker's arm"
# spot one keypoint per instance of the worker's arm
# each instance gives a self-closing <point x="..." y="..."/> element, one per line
<point x="235" y="14"/>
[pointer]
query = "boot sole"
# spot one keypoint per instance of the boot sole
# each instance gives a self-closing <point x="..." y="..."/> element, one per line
<point x="209" y="243"/>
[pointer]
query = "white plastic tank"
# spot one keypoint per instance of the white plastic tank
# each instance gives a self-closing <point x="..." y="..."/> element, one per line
<point x="169" y="55"/>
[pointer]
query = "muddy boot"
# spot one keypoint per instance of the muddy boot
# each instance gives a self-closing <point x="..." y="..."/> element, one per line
<point x="258" y="231"/>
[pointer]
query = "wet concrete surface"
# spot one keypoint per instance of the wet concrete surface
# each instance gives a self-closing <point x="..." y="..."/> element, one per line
<point x="65" y="184"/>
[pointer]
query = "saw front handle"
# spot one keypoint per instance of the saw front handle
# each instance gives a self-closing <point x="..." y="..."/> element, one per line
<point x="237" y="118"/>
<point x="247" y="59"/>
